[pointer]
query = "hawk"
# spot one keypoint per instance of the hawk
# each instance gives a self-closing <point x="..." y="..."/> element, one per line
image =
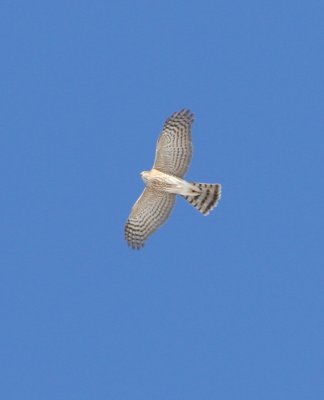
<point x="164" y="182"/>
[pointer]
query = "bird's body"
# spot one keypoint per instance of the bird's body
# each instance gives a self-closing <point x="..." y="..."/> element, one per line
<point x="168" y="183"/>
<point x="165" y="180"/>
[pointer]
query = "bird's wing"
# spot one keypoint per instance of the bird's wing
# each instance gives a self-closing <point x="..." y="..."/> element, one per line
<point x="149" y="212"/>
<point x="174" y="147"/>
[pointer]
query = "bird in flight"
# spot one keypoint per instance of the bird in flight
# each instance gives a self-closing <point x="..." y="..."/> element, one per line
<point x="165" y="180"/>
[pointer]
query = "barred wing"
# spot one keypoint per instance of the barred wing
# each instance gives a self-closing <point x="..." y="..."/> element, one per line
<point x="174" y="148"/>
<point x="149" y="212"/>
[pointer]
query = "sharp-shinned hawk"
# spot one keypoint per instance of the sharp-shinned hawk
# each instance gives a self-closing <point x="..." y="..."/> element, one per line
<point x="164" y="182"/>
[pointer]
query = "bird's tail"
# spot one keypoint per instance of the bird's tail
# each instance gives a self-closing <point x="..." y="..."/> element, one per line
<point x="207" y="198"/>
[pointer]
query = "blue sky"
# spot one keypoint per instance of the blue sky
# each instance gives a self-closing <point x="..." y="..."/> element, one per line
<point x="224" y="307"/>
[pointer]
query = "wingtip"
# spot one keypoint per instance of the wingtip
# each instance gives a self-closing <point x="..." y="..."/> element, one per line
<point x="184" y="112"/>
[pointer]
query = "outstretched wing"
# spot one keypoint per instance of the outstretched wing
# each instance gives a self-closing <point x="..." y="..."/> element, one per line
<point x="174" y="148"/>
<point x="149" y="212"/>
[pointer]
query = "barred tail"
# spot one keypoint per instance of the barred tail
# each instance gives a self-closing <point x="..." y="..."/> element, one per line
<point x="208" y="197"/>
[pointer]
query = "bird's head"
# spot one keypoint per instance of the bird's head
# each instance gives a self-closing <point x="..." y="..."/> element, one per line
<point x="144" y="175"/>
